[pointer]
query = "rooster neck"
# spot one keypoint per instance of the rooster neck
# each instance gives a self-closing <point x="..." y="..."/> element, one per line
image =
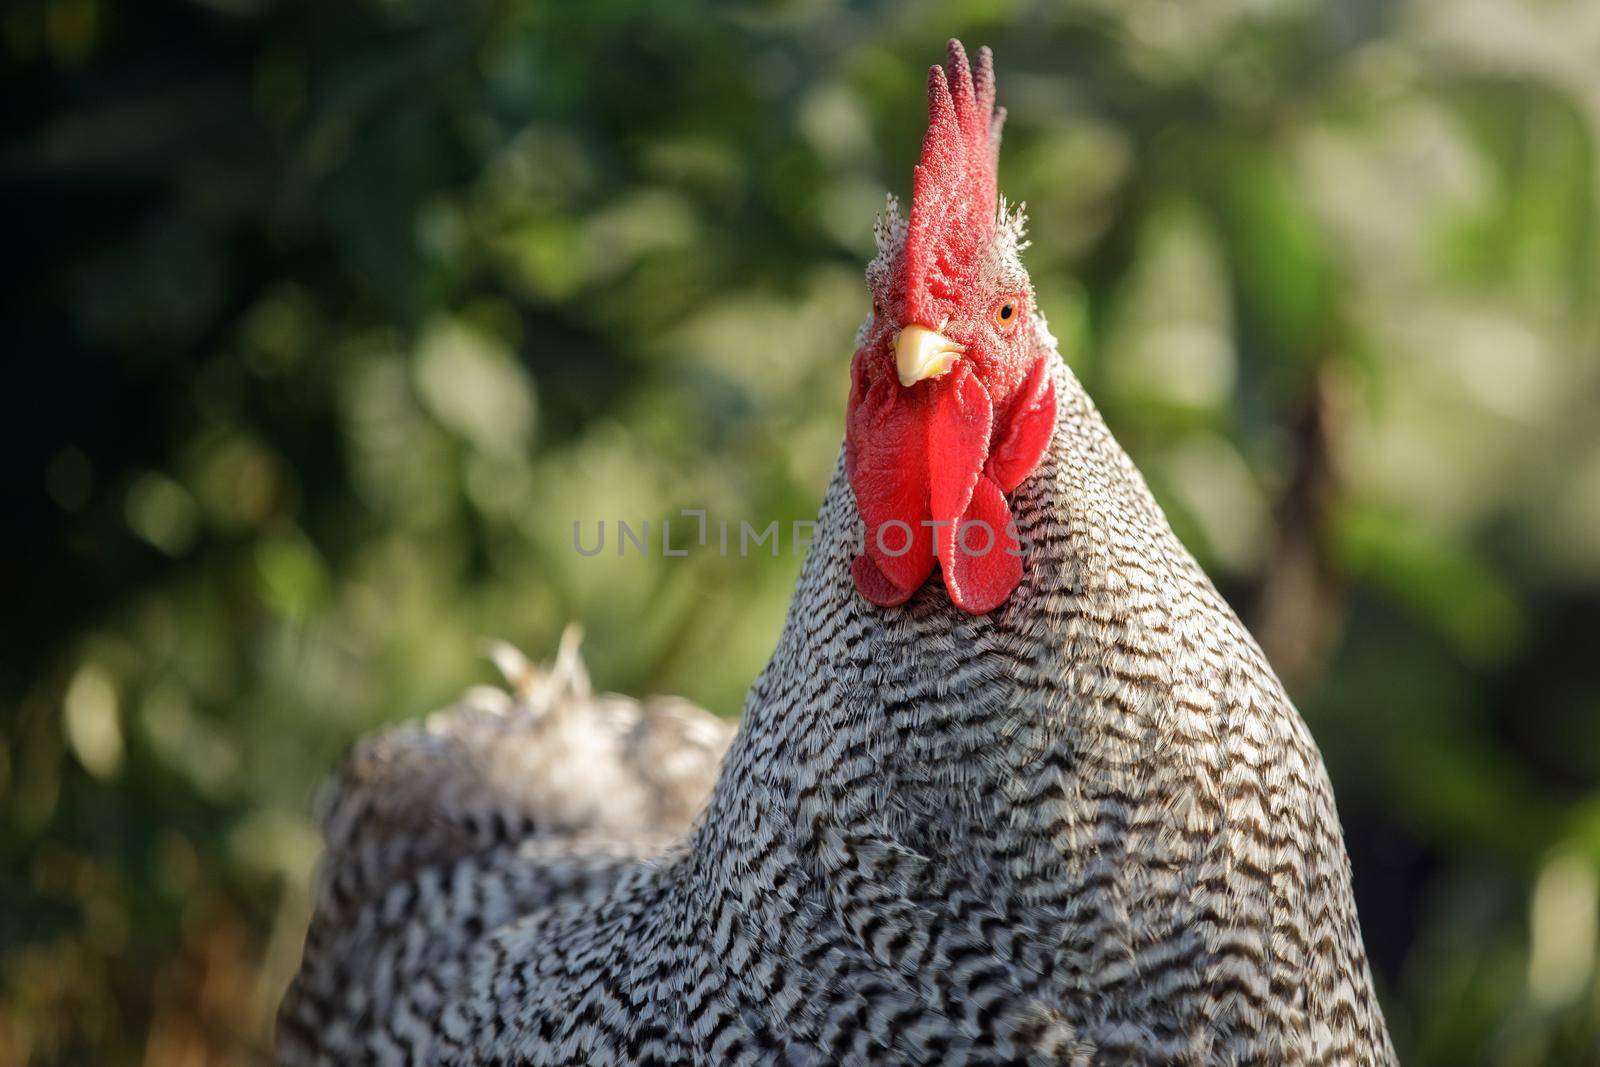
<point x="1112" y="619"/>
<point x="1100" y="779"/>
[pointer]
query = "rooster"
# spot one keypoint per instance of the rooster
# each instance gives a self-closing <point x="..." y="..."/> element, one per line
<point x="1054" y="808"/>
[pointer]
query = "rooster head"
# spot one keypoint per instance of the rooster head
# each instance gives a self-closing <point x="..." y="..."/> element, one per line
<point x="951" y="400"/>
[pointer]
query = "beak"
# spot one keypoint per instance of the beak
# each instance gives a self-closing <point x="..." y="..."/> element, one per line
<point x="923" y="353"/>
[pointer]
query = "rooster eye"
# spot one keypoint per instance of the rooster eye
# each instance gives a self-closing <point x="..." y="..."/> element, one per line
<point x="1006" y="313"/>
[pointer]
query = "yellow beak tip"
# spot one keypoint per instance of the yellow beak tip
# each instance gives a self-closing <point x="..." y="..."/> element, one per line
<point x="921" y="353"/>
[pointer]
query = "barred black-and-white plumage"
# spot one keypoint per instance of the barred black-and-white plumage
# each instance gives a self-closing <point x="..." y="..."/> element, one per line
<point x="1088" y="827"/>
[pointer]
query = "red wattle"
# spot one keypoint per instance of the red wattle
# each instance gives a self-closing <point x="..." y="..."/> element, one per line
<point x="937" y="451"/>
<point x="873" y="584"/>
<point x="886" y="459"/>
<point x="958" y="441"/>
<point x="980" y="555"/>
<point x="1028" y="427"/>
<point x="977" y="547"/>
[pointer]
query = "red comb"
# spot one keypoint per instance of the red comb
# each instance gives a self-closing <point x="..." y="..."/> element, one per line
<point x="954" y="192"/>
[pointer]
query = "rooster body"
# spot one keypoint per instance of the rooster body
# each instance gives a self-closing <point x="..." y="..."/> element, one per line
<point x="1085" y="825"/>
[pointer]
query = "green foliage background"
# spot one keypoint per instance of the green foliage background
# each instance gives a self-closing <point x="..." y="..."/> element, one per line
<point x="327" y="320"/>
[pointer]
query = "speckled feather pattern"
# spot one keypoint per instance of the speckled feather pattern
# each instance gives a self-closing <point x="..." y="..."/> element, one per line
<point x="1086" y="828"/>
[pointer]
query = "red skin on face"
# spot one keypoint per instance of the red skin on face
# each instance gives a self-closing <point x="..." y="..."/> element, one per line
<point x="930" y="463"/>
